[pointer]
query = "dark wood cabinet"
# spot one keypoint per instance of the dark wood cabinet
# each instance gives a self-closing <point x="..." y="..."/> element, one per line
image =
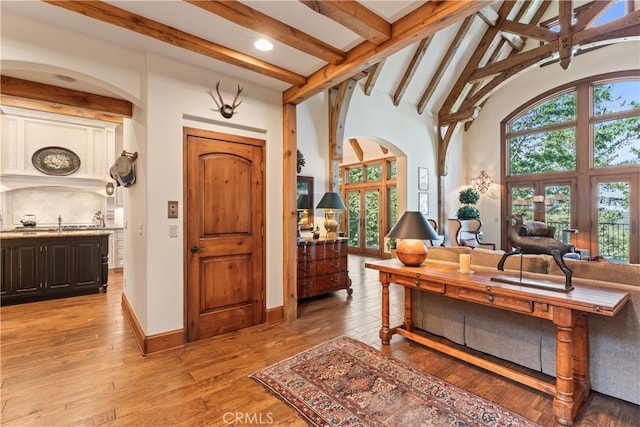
<point x="322" y="267"/>
<point x="41" y="267"/>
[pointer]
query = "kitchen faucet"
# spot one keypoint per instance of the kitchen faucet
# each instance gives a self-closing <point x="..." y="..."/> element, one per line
<point x="59" y="222"/>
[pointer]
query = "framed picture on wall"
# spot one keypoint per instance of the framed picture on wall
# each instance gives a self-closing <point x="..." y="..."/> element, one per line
<point x="423" y="202"/>
<point x="423" y="179"/>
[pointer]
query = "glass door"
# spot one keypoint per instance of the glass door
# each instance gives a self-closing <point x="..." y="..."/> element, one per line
<point x="615" y="236"/>
<point x="363" y="219"/>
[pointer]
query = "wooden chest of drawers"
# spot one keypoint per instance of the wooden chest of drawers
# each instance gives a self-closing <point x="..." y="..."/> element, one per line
<point x="322" y="267"/>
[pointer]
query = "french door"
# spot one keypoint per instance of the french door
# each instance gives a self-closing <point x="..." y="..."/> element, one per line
<point x="615" y="215"/>
<point x="364" y="221"/>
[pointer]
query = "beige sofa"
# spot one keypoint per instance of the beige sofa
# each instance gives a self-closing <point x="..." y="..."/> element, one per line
<point x="614" y="343"/>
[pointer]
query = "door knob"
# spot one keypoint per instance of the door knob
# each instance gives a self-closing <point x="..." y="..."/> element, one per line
<point x="194" y="249"/>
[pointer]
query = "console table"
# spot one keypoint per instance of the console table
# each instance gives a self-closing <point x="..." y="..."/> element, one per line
<point x="568" y="311"/>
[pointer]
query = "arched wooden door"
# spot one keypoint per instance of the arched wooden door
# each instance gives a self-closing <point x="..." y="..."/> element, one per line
<point x="224" y="233"/>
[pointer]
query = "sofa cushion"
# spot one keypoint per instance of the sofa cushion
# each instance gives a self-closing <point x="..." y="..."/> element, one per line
<point x="441" y="253"/>
<point x="628" y="274"/>
<point x="489" y="258"/>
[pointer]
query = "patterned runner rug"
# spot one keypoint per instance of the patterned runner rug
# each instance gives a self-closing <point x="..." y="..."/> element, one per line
<point x="344" y="382"/>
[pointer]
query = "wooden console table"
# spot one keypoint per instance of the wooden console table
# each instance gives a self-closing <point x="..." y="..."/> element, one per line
<point x="568" y="312"/>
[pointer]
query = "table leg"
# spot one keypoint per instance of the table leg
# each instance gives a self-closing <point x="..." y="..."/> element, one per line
<point x="563" y="402"/>
<point x="408" y="307"/>
<point x="581" y="353"/>
<point x="385" y="330"/>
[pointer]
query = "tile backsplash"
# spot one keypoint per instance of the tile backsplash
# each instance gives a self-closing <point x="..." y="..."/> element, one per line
<point x="75" y="207"/>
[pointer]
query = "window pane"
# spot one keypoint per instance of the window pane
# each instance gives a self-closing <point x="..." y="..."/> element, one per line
<point x="543" y="152"/>
<point x="613" y="97"/>
<point x="353" y="218"/>
<point x="372" y="219"/>
<point x="521" y="201"/>
<point x="557" y="209"/>
<point x="613" y="221"/>
<point x="374" y="172"/>
<point x="561" y="109"/>
<point x="355" y="175"/>
<point x="392" y="196"/>
<point x="617" y="142"/>
<point x="393" y="170"/>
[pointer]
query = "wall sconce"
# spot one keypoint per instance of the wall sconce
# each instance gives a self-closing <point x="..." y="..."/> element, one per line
<point x="331" y="201"/>
<point x="412" y="228"/>
<point x="482" y="183"/>
<point x="109" y="189"/>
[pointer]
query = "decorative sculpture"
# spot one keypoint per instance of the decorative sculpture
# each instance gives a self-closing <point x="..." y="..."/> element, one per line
<point x="535" y="237"/>
<point x="226" y="110"/>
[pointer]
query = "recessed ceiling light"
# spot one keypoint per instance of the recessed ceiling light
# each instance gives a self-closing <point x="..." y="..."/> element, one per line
<point x="263" y="45"/>
<point x="65" y="78"/>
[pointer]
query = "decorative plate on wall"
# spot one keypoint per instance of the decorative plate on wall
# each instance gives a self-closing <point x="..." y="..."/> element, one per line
<point x="56" y="161"/>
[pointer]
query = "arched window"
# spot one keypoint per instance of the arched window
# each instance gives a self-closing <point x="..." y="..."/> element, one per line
<point x="571" y="158"/>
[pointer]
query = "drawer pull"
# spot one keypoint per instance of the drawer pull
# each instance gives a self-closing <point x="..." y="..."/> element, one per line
<point x="490" y="298"/>
<point x="306" y="269"/>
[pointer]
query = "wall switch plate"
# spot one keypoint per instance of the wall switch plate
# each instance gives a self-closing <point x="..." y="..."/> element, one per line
<point x="173" y="231"/>
<point x="172" y="209"/>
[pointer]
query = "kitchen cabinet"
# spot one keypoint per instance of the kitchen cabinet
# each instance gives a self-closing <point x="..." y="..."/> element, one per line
<point x="322" y="267"/>
<point x="51" y="265"/>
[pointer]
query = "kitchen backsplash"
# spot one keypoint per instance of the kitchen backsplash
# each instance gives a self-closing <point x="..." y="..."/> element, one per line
<point x="75" y="207"/>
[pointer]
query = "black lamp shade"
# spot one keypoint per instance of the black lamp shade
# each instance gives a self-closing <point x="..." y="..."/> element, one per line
<point x="413" y="225"/>
<point x="331" y="201"/>
<point x="303" y="202"/>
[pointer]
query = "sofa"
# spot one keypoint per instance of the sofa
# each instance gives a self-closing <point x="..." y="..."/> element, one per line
<point x="614" y="342"/>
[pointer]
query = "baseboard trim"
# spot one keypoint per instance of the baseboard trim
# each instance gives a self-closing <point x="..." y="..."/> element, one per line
<point x="274" y="315"/>
<point x="152" y="343"/>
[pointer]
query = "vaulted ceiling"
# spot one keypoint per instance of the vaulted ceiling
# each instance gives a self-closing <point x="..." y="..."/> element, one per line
<point x="445" y="57"/>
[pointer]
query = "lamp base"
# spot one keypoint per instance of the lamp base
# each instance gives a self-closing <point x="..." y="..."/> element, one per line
<point x="411" y="252"/>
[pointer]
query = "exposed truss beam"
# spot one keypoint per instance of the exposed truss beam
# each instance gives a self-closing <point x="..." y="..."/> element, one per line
<point x="423" y="22"/>
<point x="113" y="15"/>
<point x="245" y="16"/>
<point x="411" y="70"/>
<point x="355" y="145"/>
<point x="354" y="16"/>
<point x="374" y="73"/>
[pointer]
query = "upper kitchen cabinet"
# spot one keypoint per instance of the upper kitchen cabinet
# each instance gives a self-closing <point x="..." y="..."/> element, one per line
<point x="48" y="149"/>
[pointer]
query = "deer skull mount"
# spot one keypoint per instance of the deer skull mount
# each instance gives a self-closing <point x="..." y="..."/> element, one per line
<point x="226" y="110"/>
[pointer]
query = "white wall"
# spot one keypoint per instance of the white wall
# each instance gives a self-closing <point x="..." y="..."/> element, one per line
<point x="482" y="141"/>
<point x="167" y="96"/>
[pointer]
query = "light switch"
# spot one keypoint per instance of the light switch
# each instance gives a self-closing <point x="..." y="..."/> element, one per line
<point x="173" y="231"/>
<point x="173" y="209"/>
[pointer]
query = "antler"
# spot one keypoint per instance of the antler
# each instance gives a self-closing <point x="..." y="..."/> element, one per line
<point x="219" y="96"/>
<point x="233" y="104"/>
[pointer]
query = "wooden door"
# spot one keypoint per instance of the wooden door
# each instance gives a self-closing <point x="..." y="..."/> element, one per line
<point x="224" y="233"/>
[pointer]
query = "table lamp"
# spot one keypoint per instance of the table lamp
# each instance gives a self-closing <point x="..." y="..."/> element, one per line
<point x="331" y="201"/>
<point x="302" y="205"/>
<point x="412" y="229"/>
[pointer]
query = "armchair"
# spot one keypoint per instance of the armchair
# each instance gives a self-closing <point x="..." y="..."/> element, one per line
<point x="464" y="232"/>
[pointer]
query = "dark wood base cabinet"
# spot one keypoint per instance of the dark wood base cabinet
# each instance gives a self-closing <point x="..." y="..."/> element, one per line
<point x="322" y="267"/>
<point x="44" y="267"/>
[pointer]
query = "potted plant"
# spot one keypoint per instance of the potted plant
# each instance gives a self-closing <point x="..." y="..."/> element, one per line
<point x="468" y="197"/>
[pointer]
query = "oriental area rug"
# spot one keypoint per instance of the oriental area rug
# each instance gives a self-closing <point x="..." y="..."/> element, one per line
<point x="344" y="382"/>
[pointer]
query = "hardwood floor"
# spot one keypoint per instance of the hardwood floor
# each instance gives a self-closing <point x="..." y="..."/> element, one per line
<point x="75" y="362"/>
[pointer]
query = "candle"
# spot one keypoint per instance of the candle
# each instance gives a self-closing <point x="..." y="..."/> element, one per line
<point x="465" y="263"/>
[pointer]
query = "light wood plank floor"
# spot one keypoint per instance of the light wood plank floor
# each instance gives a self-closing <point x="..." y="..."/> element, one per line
<point x="75" y="362"/>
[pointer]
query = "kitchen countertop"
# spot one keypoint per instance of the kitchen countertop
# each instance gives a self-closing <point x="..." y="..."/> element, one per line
<point x="53" y="232"/>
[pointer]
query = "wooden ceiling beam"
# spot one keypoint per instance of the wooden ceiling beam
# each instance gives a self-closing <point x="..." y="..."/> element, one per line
<point x="444" y="63"/>
<point x="586" y="16"/>
<point x="355" y="145"/>
<point x="529" y="30"/>
<point x="476" y="58"/>
<point x="354" y="16"/>
<point x="374" y="73"/>
<point x="565" y="42"/>
<point x="425" y="21"/>
<point x="113" y="15"/>
<point x="257" y="21"/>
<point x="55" y="97"/>
<point x="411" y="69"/>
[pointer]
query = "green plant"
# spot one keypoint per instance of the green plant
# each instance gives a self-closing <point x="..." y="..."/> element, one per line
<point x="468" y="197"/>
<point x="391" y="243"/>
